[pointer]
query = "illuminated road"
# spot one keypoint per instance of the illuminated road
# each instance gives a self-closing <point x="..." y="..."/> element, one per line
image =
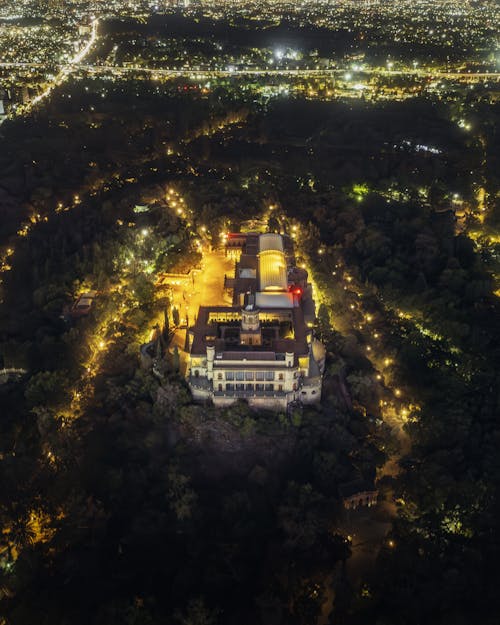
<point x="64" y="72"/>
<point x="15" y="64"/>
<point x="258" y="71"/>
<point x="304" y="73"/>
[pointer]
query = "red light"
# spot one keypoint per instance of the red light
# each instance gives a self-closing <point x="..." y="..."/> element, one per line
<point x="297" y="291"/>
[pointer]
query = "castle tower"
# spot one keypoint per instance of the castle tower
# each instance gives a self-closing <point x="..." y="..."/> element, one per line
<point x="250" y="333"/>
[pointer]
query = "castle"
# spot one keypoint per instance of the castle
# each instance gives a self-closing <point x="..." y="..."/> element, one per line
<point x="261" y="348"/>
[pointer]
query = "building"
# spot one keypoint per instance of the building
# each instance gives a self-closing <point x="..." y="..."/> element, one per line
<point x="358" y="493"/>
<point x="83" y="305"/>
<point x="261" y="348"/>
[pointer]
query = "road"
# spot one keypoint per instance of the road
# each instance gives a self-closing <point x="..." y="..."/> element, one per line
<point x="76" y="64"/>
<point x="66" y="69"/>
<point x="63" y="74"/>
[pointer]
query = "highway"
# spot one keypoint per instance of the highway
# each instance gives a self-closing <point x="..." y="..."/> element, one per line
<point x="76" y="64"/>
<point x="66" y="69"/>
<point x="63" y="74"/>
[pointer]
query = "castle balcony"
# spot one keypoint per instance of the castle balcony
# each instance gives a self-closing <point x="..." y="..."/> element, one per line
<point x="250" y="394"/>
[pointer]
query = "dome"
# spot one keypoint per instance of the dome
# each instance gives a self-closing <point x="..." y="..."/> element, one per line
<point x="270" y="241"/>
<point x="272" y="271"/>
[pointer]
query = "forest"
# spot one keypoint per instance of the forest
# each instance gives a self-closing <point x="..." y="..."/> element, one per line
<point x="122" y="500"/>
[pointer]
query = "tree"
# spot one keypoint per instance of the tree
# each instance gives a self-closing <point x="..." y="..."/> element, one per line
<point x="166" y="325"/>
<point x="21" y="534"/>
<point x="308" y="601"/>
<point x="144" y="290"/>
<point x="181" y="497"/>
<point x="176" y="359"/>
<point x="47" y="387"/>
<point x="299" y="514"/>
<point x="197" y="613"/>
<point x="324" y="323"/>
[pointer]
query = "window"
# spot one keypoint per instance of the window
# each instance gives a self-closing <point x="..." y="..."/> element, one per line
<point x="219" y="376"/>
<point x="269" y="387"/>
<point x="280" y="387"/>
<point x="259" y="375"/>
<point x="269" y="375"/>
<point x="229" y="375"/>
<point x="249" y="375"/>
<point x="280" y="376"/>
<point x="229" y="387"/>
<point x="259" y="387"/>
<point x="240" y="375"/>
<point x="240" y="387"/>
<point x="249" y="387"/>
<point x="220" y="387"/>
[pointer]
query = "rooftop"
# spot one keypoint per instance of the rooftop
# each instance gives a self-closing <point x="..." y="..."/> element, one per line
<point x="280" y="327"/>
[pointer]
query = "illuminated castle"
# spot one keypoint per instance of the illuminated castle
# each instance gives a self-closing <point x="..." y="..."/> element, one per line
<point x="261" y="348"/>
